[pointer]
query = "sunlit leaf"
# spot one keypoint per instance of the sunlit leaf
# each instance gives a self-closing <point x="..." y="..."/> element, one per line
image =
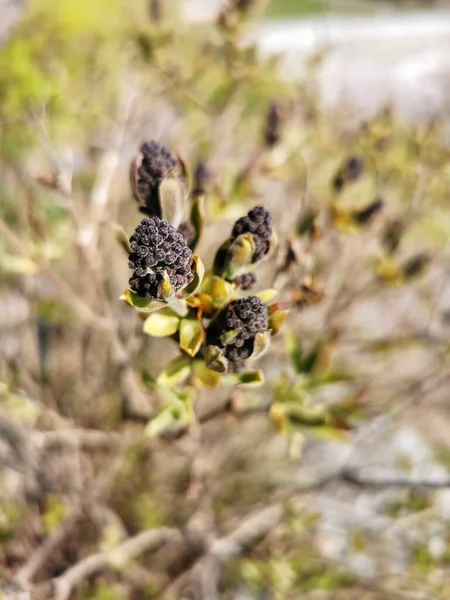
<point x="266" y="295"/>
<point x="261" y="344"/>
<point x="165" y="288"/>
<point x="215" y="359"/>
<point x="192" y="335"/>
<point x="177" y="372"/>
<point x="227" y="337"/>
<point x="330" y="433"/>
<point x="145" y="305"/>
<point x="239" y="255"/>
<point x="199" y="272"/>
<point x="204" y="377"/>
<point x="247" y="378"/>
<point x="162" y="323"/>
<point x="276" y="321"/>
<point x="178" y="306"/>
<point x="220" y="291"/>
<point x="165" y="419"/>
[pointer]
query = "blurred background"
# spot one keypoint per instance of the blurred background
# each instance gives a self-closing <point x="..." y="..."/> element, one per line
<point x="331" y="481"/>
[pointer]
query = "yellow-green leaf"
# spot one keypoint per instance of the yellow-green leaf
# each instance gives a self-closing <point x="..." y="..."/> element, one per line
<point x="162" y="323"/>
<point x="261" y="345"/>
<point x="198" y="269"/>
<point x="144" y="305"/>
<point x="240" y="255"/>
<point x="166" y="289"/>
<point x="220" y="290"/>
<point x="192" y="335"/>
<point x="250" y="378"/>
<point x="203" y="376"/>
<point x="267" y="295"/>
<point x="276" y="321"/>
<point x="176" y="372"/>
<point x="215" y="359"/>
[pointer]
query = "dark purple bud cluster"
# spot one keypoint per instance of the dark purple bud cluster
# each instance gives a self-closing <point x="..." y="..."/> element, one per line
<point x="248" y="316"/>
<point x="258" y="222"/>
<point x="245" y="281"/>
<point x="157" y="162"/>
<point x="157" y="248"/>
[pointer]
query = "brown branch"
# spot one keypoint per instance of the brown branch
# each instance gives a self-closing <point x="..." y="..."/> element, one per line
<point x="146" y="541"/>
<point x="353" y="476"/>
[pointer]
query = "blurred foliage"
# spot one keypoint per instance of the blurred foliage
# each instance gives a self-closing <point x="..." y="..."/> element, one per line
<point x="380" y="227"/>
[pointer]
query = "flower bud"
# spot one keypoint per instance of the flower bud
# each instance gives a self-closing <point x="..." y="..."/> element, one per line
<point x="161" y="260"/>
<point x="154" y="163"/>
<point x="236" y="328"/>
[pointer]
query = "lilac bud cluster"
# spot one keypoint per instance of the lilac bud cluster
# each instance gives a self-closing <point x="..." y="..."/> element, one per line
<point x="157" y="248"/>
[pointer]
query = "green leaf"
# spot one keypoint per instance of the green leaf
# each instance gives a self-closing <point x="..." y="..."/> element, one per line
<point x="330" y="433"/>
<point x="203" y="376"/>
<point x="266" y="295"/>
<point x="165" y="288"/>
<point x="250" y="378"/>
<point x="220" y="290"/>
<point x="239" y="255"/>
<point x="176" y="372"/>
<point x="199" y="272"/>
<point x="295" y="351"/>
<point x="227" y="337"/>
<point x="192" y="335"/>
<point x="178" y="306"/>
<point x="122" y="238"/>
<point x="164" y="420"/>
<point x="261" y="345"/>
<point x="172" y="199"/>
<point x="145" y="305"/>
<point x="215" y="359"/>
<point x="162" y="323"/>
<point x="276" y="320"/>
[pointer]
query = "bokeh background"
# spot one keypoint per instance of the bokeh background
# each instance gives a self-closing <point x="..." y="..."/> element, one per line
<point x="330" y="482"/>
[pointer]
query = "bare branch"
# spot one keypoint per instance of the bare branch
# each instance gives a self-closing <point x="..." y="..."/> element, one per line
<point x="248" y="533"/>
<point x="118" y="557"/>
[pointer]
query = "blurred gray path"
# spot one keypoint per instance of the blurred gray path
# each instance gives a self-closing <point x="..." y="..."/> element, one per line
<point x="371" y="60"/>
<point x="10" y="11"/>
<point x="403" y="57"/>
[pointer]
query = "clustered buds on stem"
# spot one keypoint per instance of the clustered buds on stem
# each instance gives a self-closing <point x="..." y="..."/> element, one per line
<point x="245" y="281"/>
<point x="154" y="163"/>
<point x="206" y="314"/>
<point x="159" y="252"/>
<point x="250" y="242"/>
<point x="258" y="223"/>
<point x="235" y="330"/>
